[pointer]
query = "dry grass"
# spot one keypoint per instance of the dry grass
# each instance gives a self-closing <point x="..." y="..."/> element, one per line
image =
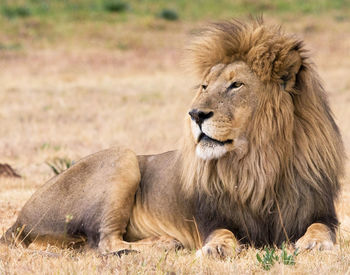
<point x="82" y="95"/>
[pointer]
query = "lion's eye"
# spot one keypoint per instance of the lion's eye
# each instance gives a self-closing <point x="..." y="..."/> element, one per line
<point x="235" y="85"/>
<point x="204" y="86"/>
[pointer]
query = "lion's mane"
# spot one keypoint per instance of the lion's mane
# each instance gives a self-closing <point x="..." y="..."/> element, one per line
<point x="293" y="150"/>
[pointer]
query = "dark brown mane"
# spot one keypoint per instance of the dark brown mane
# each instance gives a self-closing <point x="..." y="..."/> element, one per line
<point x="294" y="146"/>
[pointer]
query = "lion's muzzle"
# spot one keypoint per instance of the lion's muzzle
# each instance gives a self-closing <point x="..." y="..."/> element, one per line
<point x="199" y="116"/>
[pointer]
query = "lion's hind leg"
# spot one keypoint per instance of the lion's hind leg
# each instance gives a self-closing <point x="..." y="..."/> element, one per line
<point x="20" y="237"/>
<point x="62" y="242"/>
<point x="118" y="208"/>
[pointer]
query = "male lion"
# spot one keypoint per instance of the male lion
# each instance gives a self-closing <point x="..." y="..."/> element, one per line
<point x="260" y="163"/>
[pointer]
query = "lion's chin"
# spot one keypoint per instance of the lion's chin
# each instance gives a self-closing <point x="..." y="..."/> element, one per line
<point x="208" y="151"/>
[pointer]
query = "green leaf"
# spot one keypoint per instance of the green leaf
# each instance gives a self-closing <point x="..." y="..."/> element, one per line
<point x="259" y="258"/>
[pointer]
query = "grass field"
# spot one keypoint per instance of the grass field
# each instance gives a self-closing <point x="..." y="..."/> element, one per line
<point x="77" y="78"/>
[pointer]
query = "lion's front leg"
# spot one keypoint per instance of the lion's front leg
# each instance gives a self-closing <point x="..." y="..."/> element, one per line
<point x="221" y="243"/>
<point x="318" y="236"/>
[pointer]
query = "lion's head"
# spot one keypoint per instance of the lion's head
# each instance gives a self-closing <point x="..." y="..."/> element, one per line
<point x="260" y="122"/>
<point x="221" y="111"/>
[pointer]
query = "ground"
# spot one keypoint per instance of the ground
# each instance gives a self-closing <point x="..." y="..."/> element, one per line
<point x="95" y="85"/>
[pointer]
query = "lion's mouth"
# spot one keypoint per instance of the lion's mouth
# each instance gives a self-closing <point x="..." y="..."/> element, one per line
<point x="206" y="138"/>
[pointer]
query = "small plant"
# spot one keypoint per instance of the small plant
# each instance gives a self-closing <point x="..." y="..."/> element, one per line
<point x="116" y="6"/>
<point x="15" y="11"/>
<point x="267" y="260"/>
<point x="58" y="165"/>
<point x="288" y="259"/>
<point x="49" y="146"/>
<point x="168" y="14"/>
<point x="270" y="257"/>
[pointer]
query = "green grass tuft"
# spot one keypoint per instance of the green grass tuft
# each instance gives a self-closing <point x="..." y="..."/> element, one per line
<point x="116" y="6"/>
<point x="69" y="10"/>
<point x="270" y="257"/>
<point x="15" y="11"/>
<point x="58" y="165"/>
<point x="169" y="14"/>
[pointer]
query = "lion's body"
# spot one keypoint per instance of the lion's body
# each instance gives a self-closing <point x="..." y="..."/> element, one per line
<point x="260" y="162"/>
<point x="71" y="207"/>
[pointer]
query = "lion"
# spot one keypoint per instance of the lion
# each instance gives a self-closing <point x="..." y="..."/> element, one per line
<point x="259" y="165"/>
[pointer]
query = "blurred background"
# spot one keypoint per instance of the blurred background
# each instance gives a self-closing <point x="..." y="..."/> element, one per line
<point x="78" y="76"/>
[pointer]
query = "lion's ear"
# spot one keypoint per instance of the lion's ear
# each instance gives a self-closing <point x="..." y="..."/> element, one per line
<point x="289" y="70"/>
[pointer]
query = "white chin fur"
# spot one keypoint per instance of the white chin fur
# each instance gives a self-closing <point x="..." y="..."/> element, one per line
<point x="209" y="152"/>
<point x="195" y="130"/>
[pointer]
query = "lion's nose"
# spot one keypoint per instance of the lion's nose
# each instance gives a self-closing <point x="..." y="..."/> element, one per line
<point x="199" y="116"/>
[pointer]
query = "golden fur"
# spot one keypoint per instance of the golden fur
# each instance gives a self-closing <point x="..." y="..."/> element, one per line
<point x="260" y="161"/>
<point x="303" y="139"/>
<point x="292" y="155"/>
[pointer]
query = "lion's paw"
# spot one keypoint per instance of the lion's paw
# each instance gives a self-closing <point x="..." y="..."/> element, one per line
<point x="220" y="251"/>
<point x="318" y="236"/>
<point x="306" y="243"/>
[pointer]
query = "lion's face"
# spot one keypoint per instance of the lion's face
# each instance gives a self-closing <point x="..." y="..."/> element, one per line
<point x="221" y="111"/>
